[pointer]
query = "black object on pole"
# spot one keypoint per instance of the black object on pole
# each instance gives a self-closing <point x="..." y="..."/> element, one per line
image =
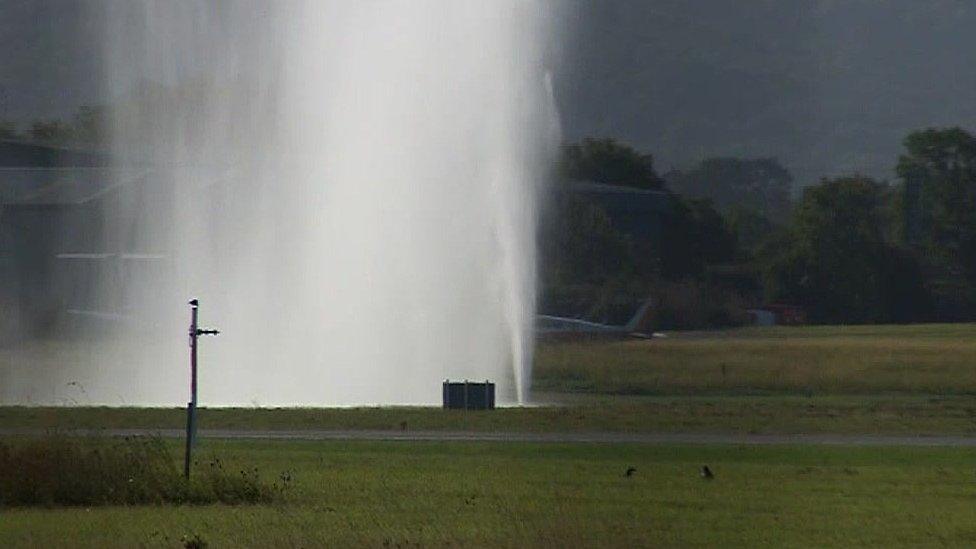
<point x="191" y="407"/>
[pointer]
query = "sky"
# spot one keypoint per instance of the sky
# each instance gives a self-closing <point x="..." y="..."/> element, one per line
<point x="830" y="87"/>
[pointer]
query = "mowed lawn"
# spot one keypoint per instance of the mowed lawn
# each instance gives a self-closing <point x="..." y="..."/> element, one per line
<point x="852" y="380"/>
<point x="915" y="359"/>
<point x="517" y="495"/>
<point x="854" y="415"/>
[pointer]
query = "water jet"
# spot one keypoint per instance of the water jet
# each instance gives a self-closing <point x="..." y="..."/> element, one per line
<point x="351" y="187"/>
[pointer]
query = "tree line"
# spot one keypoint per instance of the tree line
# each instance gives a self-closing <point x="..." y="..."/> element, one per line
<point x="848" y="249"/>
<point x="86" y="127"/>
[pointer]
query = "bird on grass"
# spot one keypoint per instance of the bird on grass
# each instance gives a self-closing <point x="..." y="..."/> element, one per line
<point x="630" y="471"/>
<point x="706" y="473"/>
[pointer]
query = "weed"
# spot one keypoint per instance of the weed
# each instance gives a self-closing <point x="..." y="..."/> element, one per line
<point x="59" y="470"/>
<point x="193" y="542"/>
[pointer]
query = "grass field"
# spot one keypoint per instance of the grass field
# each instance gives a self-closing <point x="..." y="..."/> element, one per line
<point x="860" y="414"/>
<point x="829" y="360"/>
<point x="517" y="495"/>
<point x="917" y="379"/>
<point x="844" y="380"/>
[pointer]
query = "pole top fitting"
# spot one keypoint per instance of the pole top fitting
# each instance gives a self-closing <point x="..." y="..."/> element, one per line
<point x="194" y="302"/>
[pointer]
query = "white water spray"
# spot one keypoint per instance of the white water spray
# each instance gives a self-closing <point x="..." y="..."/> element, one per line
<point x="349" y="188"/>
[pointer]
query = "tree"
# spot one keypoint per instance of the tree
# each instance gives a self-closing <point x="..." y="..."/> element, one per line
<point x="51" y="131"/>
<point x="8" y="130"/>
<point x="761" y="185"/>
<point x="88" y="127"/>
<point x="610" y="162"/>
<point x="938" y="173"/>
<point x="695" y="235"/>
<point x="836" y="263"/>
<point x="750" y="228"/>
<point x="580" y="246"/>
<point x="588" y="267"/>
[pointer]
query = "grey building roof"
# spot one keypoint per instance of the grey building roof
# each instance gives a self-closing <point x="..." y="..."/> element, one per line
<point x="638" y="213"/>
<point x="617" y="190"/>
<point x="26" y="154"/>
<point x="42" y="175"/>
<point x="62" y="186"/>
<point x="620" y="199"/>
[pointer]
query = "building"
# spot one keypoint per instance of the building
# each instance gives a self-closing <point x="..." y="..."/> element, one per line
<point x="778" y="314"/>
<point x="640" y="214"/>
<point x="61" y="212"/>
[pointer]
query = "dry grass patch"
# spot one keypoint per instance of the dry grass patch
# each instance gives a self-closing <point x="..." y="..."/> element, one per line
<point x="56" y="470"/>
<point x="811" y="361"/>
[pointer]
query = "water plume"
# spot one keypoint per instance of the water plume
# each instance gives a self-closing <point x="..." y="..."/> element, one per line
<point x="349" y="188"/>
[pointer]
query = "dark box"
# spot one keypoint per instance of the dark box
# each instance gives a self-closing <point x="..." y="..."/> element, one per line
<point x="469" y="395"/>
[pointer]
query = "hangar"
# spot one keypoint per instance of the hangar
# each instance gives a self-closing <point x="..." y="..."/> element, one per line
<point x="70" y="241"/>
<point x="62" y="228"/>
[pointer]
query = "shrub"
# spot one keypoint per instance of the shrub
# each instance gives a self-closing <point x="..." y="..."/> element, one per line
<point x="61" y="470"/>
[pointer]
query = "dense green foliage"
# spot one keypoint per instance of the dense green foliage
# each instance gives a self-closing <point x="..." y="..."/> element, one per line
<point x="836" y="262"/>
<point x="850" y="249"/>
<point x="937" y="219"/>
<point x="695" y="236"/>
<point x="610" y="162"/>
<point x="8" y="130"/>
<point x="751" y="229"/>
<point x="580" y="246"/>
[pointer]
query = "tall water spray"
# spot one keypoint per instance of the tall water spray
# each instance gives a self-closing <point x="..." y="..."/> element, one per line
<point x="349" y="188"/>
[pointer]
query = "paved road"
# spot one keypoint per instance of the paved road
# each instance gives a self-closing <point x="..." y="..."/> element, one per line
<point x="595" y="438"/>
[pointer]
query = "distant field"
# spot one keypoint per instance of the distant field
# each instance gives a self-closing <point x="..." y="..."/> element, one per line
<point x="918" y="379"/>
<point x="830" y="360"/>
<point x="518" y="495"/>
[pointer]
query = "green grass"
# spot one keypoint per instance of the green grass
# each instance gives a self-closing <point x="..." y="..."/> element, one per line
<point x="829" y="360"/>
<point x="518" y="495"/>
<point x="846" y="380"/>
<point x="860" y="414"/>
<point x="918" y="379"/>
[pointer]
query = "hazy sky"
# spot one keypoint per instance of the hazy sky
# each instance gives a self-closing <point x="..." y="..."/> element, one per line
<point x="828" y="86"/>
